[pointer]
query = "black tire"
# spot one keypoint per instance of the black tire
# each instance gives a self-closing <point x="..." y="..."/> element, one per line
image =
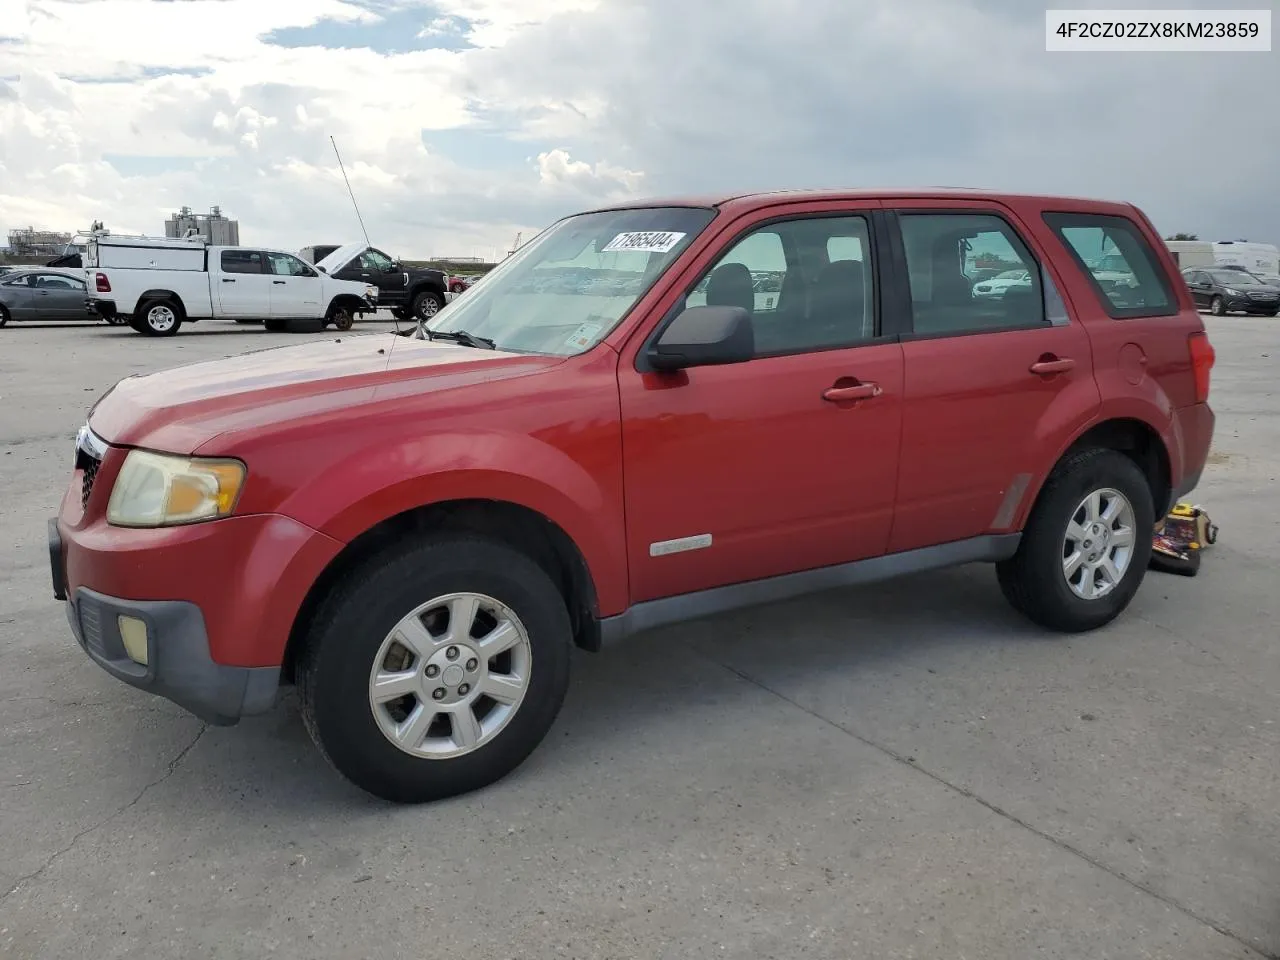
<point x="4" y="316"/>
<point x="275" y="325"/>
<point x="116" y="320"/>
<point x="1268" y="313"/>
<point x="426" y="305"/>
<point x="341" y="317"/>
<point x="135" y="323"/>
<point x="1218" y="307"/>
<point x="1033" y="581"/>
<point x="401" y="314"/>
<point x="349" y="627"/>
<point x="152" y="316"/>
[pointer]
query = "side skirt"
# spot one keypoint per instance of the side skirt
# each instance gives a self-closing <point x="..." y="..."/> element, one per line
<point x="736" y="596"/>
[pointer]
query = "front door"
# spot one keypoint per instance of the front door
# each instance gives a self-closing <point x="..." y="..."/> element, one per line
<point x="377" y="269"/>
<point x="993" y="384"/>
<point x="783" y="463"/>
<point x="18" y="296"/>
<point x="295" y="287"/>
<point x="243" y="287"/>
<point x="58" y="297"/>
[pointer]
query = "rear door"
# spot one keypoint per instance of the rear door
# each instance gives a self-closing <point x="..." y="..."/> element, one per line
<point x="243" y="286"/>
<point x="295" y="287"/>
<point x="59" y="297"/>
<point x="993" y="385"/>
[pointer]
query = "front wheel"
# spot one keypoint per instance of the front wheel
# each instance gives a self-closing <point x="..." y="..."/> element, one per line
<point x="1218" y="307"/>
<point x="436" y="669"/>
<point x="341" y="317"/>
<point x="4" y="316"/>
<point x="426" y="305"/>
<point x="1085" y="548"/>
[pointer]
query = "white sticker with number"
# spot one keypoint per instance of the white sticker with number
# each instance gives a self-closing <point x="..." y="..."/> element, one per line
<point x="647" y="241"/>
<point x="583" y="336"/>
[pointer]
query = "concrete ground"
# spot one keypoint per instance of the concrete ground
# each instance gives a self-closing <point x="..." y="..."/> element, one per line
<point x="903" y="771"/>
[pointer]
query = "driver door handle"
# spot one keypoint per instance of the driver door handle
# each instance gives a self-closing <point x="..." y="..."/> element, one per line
<point x="281" y="282"/>
<point x="228" y="280"/>
<point x="1052" y="365"/>
<point x="861" y="391"/>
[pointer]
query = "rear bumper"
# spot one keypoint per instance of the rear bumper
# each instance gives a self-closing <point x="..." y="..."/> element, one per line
<point x="106" y="309"/>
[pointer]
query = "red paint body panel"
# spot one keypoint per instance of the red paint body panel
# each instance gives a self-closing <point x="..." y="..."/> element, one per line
<point x="340" y="435"/>
<point x="249" y="575"/>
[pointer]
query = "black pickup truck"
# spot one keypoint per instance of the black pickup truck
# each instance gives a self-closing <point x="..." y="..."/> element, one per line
<point x="408" y="292"/>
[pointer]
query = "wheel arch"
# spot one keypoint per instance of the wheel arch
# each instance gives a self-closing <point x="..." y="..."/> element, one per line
<point x="1132" y="436"/>
<point x="519" y="526"/>
<point x="168" y="296"/>
<point x="349" y="300"/>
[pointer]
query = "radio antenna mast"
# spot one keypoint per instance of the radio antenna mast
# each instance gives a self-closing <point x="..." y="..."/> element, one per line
<point x="349" y="190"/>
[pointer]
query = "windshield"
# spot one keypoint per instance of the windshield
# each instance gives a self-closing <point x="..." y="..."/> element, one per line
<point x="1012" y="275"/>
<point x="565" y="290"/>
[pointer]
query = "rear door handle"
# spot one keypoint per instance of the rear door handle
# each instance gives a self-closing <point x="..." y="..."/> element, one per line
<point x="1045" y="368"/>
<point x="281" y="282"/>
<point x="861" y="391"/>
<point x="228" y="280"/>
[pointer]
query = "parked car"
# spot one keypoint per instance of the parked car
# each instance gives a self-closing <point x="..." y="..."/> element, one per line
<point x="41" y="295"/>
<point x="998" y="285"/>
<point x="1225" y="291"/>
<point x="158" y="284"/>
<point x="417" y="292"/>
<point x="416" y="529"/>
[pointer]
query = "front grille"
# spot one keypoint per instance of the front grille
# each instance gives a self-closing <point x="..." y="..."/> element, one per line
<point x="89" y="453"/>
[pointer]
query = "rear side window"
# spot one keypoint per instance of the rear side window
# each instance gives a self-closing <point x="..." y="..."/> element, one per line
<point x="1119" y="262"/>
<point x="242" y="261"/>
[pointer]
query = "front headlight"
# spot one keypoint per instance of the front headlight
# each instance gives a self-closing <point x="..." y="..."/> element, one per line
<point x="159" y="490"/>
<point x="1232" y="293"/>
<point x="371" y="293"/>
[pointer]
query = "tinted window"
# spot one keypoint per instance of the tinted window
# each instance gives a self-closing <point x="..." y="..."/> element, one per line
<point x="807" y="283"/>
<point x="971" y="272"/>
<point x="242" y="261"/>
<point x="1119" y="261"/>
<point x="50" y="281"/>
<point x="19" y="281"/>
<point x="287" y="265"/>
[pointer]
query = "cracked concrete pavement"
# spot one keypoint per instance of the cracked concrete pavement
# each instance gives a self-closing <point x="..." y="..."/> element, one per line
<point x="902" y="771"/>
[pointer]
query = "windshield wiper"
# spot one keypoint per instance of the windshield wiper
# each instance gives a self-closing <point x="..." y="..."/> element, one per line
<point x="460" y="336"/>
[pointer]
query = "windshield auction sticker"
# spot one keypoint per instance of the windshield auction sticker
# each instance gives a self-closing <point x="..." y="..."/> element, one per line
<point x="648" y="241"/>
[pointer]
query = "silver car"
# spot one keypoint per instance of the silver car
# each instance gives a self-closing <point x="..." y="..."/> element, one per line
<point x="42" y="295"/>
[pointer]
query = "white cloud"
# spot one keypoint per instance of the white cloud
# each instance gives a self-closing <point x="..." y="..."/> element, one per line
<point x="590" y="100"/>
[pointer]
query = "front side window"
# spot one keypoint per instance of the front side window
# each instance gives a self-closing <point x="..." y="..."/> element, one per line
<point x="807" y="283"/>
<point x="565" y="290"/>
<point x="287" y="265"/>
<point x="971" y="272"/>
<point x="1119" y="261"/>
<point x="49" y="281"/>
<point x="376" y="260"/>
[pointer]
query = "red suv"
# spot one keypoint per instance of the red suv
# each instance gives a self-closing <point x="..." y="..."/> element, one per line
<point x="650" y="413"/>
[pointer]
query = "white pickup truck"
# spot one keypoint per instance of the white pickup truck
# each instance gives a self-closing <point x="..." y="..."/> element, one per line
<point x="161" y="283"/>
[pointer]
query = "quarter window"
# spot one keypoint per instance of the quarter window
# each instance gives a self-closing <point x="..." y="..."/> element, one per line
<point x="970" y="273"/>
<point x="1119" y="261"/>
<point x="242" y="261"/>
<point x="808" y="284"/>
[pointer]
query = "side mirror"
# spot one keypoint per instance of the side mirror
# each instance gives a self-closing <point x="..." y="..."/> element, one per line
<point x="391" y="268"/>
<point x="322" y="269"/>
<point x="705" y="336"/>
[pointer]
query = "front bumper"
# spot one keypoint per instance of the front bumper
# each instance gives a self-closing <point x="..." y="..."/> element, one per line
<point x="179" y="665"/>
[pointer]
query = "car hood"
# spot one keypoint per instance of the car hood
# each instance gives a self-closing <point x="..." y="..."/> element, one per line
<point x="180" y="409"/>
<point x="341" y="257"/>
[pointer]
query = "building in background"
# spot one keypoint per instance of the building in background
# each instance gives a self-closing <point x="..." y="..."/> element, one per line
<point x="213" y="226"/>
<point x="28" y="243"/>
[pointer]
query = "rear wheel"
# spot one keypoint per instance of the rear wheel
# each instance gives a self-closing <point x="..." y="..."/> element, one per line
<point x="1269" y="313"/>
<point x="4" y="316"/>
<point x="160" y="318"/>
<point x="1085" y="548"/>
<point x="1218" y="307"/>
<point x="436" y="668"/>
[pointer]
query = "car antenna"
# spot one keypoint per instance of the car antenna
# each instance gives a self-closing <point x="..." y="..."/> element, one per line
<point x="342" y="167"/>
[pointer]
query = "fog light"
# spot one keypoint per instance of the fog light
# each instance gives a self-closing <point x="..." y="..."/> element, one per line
<point x="134" y="634"/>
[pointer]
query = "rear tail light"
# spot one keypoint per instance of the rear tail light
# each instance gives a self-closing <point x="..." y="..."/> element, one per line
<point x="101" y="283"/>
<point x="1202" y="357"/>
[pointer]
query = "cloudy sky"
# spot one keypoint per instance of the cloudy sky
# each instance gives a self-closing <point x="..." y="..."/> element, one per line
<point x="464" y="121"/>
